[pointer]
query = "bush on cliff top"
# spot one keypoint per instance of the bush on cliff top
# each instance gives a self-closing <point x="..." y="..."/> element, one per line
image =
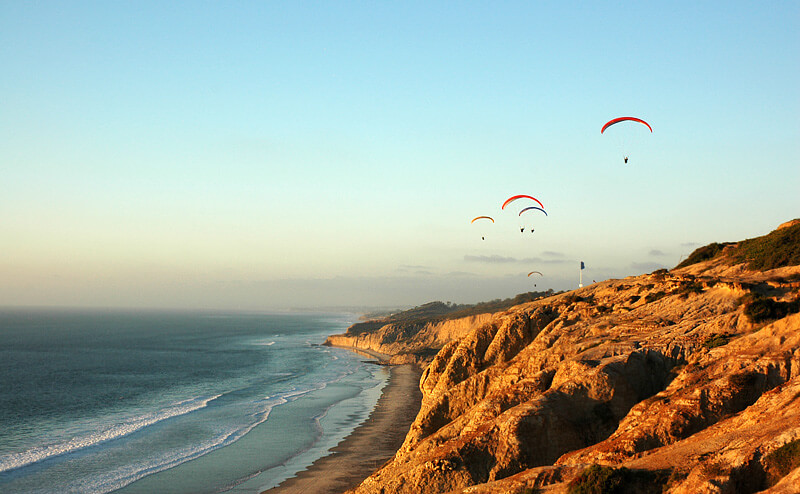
<point x="704" y="253"/>
<point x="777" y="249"/>
<point x="441" y="311"/>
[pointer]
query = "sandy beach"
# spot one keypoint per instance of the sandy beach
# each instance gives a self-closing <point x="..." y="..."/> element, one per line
<point x="369" y="446"/>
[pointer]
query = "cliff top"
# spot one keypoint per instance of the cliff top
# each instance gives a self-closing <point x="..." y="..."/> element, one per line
<point x="434" y="312"/>
<point x="777" y="249"/>
<point x="678" y="381"/>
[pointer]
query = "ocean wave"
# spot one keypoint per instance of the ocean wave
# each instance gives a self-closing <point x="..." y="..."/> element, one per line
<point x="262" y="342"/>
<point x="121" y="477"/>
<point x="111" y="481"/>
<point x="121" y="429"/>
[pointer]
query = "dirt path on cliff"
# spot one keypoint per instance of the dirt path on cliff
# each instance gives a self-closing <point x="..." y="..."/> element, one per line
<point x="369" y="446"/>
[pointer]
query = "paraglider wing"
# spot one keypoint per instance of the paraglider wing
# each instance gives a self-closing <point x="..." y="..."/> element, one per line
<point x="481" y="218"/>
<point x="532" y="207"/>
<point x="534" y="272"/>
<point x="521" y="196"/>
<point x="623" y="119"/>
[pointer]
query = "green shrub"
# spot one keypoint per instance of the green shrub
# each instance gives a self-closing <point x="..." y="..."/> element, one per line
<point x="717" y="340"/>
<point x="779" y="248"/>
<point x="782" y="461"/>
<point x="598" y="479"/>
<point x="693" y="287"/>
<point x="652" y="297"/>
<point x="417" y="317"/>
<point x="704" y="253"/>
<point x="775" y="250"/>
<point x="761" y="309"/>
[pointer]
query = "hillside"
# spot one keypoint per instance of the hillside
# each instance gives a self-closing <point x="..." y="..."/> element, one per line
<point x="679" y="381"/>
<point x="434" y="312"/>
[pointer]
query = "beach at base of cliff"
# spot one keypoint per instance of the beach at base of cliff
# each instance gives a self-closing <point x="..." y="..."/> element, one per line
<point x="369" y="446"/>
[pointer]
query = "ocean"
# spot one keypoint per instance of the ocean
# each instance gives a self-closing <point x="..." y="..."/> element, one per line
<point x="95" y="401"/>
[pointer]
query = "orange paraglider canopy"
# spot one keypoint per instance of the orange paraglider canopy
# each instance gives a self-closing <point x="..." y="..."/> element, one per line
<point x="481" y="218"/>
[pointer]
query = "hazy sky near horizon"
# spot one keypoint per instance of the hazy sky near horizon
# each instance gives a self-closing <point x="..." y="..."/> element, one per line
<point x="262" y="155"/>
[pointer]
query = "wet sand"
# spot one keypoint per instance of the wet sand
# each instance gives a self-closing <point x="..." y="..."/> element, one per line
<point x="369" y="446"/>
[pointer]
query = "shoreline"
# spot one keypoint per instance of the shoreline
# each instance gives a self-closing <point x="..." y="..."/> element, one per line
<point x="369" y="446"/>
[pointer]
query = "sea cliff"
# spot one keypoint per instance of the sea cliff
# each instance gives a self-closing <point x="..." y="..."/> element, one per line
<point x="680" y="381"/>
<point x="410" y="342"/>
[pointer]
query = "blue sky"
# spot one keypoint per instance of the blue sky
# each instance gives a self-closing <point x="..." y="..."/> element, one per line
<point x="261" y="155"/>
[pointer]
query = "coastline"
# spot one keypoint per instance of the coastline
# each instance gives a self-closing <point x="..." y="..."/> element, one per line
<point x="370" y="445"/>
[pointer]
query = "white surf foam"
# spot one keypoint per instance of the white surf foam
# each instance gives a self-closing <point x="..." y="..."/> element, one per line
<point x="120" y="429"/>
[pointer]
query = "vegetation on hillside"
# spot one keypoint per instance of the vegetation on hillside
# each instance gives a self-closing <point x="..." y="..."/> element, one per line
<point x="780" y="462"/>
<point x="777" y="249"/>
<point x="759" y="308"/>
<point x="600" y="479"/>
<point x="704" y="253"/>
<point x="442" y="311"/>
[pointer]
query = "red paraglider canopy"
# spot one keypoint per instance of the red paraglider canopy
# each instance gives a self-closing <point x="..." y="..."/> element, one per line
<point x="622" y="119"/>
<point x="521" y="196"/>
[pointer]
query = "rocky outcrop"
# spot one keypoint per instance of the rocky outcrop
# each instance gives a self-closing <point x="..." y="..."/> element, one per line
<point x="669" y="381"/>
<point x="414" y="342"/>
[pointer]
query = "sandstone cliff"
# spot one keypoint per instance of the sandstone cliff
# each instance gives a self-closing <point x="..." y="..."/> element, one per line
<point x="412" y="343"/>
<point x="684" y="381"/>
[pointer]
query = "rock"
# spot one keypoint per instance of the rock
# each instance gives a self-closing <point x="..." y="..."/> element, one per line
<point x="662" y="374"/>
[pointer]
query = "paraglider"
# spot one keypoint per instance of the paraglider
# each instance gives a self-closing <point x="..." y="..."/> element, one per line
<point x="521" y="196"/>
<point x="532" y="207"/>
<point x="483" y="218"/>
<point x="623" y="119"/>
<point x="523" y="222"/>
<point x="617" y="120"/>
<point x="534" y="272"/>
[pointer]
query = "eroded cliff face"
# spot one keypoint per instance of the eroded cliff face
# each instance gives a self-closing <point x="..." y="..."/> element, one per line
<point x="410" y="342"/>
<point x="663" y="374"/>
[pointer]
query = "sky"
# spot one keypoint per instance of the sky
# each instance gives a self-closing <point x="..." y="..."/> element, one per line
<point x="273" y="155"/>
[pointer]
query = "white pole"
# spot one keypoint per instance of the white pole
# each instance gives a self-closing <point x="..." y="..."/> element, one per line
<point x="580" y="269"/>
